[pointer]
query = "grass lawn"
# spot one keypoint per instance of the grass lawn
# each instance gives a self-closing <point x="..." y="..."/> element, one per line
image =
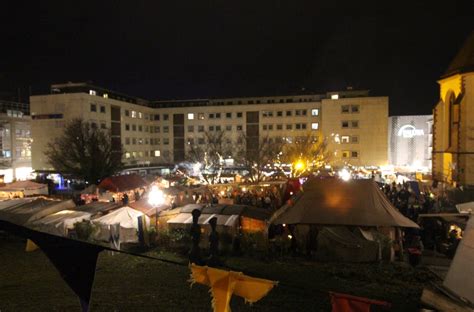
<point x="28" y="282"/>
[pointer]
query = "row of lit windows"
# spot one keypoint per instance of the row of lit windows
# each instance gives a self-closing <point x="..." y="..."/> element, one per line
<point x="350" y="124"/>
<point x="297" y="126"/>
<point x="155" y="153"/>
<point x="345" y="109"/>
<point x="349" y="139"/>
<point x="146" y="141"/>
<point x="151" y="129"/>
<point x="288" y="113"/>
<point x="19" y="152"/>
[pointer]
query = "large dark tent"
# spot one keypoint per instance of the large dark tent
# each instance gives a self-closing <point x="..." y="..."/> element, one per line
<point x="337" y="202"/>
<point x="350" y="220"/>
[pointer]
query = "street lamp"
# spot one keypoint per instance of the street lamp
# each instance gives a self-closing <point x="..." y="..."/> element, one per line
<point x="155" y="199"/>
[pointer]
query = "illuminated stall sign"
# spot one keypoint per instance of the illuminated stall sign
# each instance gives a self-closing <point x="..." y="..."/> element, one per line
<point x="409" y="132"/>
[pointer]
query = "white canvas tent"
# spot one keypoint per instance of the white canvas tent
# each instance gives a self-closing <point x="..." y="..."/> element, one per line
<point x="60" y="222"/>
<point x="128" y="220"/>
<point x="465" y="207"/>
<point x="460" y="277"/>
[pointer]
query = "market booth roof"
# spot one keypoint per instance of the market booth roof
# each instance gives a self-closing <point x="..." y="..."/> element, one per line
<point x="337" y="202"/>
<point x="240" y="210"/>
<point x="24" y="211"/>
<point x="122" y="183"/>
<point x="27" y="187"/>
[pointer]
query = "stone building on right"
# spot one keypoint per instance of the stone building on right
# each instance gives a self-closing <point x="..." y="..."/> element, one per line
<point x="453" y="121"/>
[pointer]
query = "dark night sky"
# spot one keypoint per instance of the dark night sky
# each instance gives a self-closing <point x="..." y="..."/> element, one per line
<point x="178" y="49"/>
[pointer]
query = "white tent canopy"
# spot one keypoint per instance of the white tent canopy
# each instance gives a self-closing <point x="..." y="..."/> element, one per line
<point x="127" y="218"/>
<point x="460" y="277"/>
<point x="60" y="222"/>
<point x="465" y="207"/>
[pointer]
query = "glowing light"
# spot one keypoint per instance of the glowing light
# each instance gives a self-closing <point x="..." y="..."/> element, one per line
<point x="345" y="175"/>
<point x="244" y="189"/>
<point x="156" y="196"/>
<point x="299" y="165"/>
<point x="290" y="236"/>
<point x="222" y="193"/>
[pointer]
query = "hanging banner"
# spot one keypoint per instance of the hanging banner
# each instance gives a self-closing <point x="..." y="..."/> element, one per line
<point x="226" y="283"/>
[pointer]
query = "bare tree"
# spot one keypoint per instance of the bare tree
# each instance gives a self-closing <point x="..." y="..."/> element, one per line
<point x="305" y="154"/>
<point x="84" y="151"/>
<point x="210" y="154"/>
<point x="256" y="154"/>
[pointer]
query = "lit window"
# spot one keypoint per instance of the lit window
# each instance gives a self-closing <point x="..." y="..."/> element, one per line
<point x="314" y="126"/>
<point x="315" y="112"/>
<point x="127" y="155"/>
<point x="134" y="114"/>
<point x="334" y="96"/>
<point x="92" y="92"/>
<point x="345" y="139"/>
<point x="190" y="116"/>
<point x="201" y="116"/>
<point x="157" y="154"/>
<point x="106" y="96"/>
<point x="140" y="115"/>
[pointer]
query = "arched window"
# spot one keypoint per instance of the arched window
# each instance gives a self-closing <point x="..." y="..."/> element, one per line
<point x="452" y="117"/>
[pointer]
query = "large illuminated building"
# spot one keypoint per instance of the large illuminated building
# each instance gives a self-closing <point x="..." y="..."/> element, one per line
<point x="453" y="130"/>
<point x="410" y="141"/>
<point x="15" y="142"/>
<point x="161" y="132"/>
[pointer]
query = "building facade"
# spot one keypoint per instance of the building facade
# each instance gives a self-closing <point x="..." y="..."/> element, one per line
<point x="410" y="141"/>
<point x="15" y="141"/>
<point x="162" y="132"/>
<point x="453" y="115"/>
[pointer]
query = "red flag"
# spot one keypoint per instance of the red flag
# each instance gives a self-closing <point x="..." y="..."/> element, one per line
<point x="348" y="303"/>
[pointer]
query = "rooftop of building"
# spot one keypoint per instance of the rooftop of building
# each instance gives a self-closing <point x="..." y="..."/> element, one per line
<point x="302" y="96"/>
<point x="464" y="60"/>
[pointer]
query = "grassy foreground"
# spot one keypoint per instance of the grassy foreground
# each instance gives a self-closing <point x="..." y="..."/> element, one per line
<point x="28" y="282"/>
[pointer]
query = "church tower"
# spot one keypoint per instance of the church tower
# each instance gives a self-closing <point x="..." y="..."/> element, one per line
<point x="453" y="117"/>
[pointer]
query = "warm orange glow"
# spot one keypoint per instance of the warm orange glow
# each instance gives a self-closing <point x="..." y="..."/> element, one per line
<point x="299" y="165"/>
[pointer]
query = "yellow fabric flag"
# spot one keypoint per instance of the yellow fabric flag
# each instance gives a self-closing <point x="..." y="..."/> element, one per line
<point x="225" y="283"/>
<point x="30" y="245"/>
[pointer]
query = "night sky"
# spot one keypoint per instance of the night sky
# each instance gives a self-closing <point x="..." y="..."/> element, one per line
<point x="188" y="49"/>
